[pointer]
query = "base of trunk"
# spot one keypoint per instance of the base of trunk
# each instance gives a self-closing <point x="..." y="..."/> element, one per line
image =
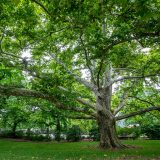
<point x="115" y="146"/>
<point x="108" y="135"/>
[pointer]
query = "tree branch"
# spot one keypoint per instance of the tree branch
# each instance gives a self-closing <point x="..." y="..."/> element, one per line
<point x="82" y="101"/>
<point x="142" y="100"/>
<point x="99" y="71"/>
<point x="77" y="78"/>
<point x="42" y="6"/>
<point x="81" y="117"/>
<point x="12" y="91"/>
<point x="108" y="75"/>
<point x="134" y="77"/>
<point x="71" y="117"/>
<point x="122" y="102"/>
<point x="3" y="52"/>
<point x="87" y="59"/>
<point x="142" y="111"/>
<point x="123" y="99"/>
<point x="85" y="102"/>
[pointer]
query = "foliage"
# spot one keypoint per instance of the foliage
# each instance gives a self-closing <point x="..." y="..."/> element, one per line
<point x="9" y="134"/>
<point x="152" y="131"/>
<point x="6" y="134"/>
<point x="126" y="132"/>
<point x="13" y="113"/>
<point x="94" y="133"/>
<point x="148" y="124"/>
<point x="37" y="137"/>
<point x="24" y="136"/>
<point x="74" y="134"/>
<point x="18" y="113"/>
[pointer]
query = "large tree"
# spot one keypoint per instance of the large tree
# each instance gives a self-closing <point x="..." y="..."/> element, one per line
<point x="86" y="56"/>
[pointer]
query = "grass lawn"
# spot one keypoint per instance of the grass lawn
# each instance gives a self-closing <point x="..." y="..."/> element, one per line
<point x="12" y="150"/>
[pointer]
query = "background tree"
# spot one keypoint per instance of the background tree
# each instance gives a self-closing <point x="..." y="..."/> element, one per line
<point x="47" y="117"/>
<point x="13" y="114"/>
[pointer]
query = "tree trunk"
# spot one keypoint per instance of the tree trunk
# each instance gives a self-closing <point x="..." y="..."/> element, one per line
<point x="14" y="130"/>
<point x="108" y="135"/>
<point x="58" y="131"/>
<point x="106" y="121"/>
<point x="47" y="131"/>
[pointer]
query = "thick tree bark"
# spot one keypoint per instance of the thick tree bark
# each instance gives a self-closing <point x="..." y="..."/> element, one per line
<point x="108" y="135"/>
<point x="106" y="121"/>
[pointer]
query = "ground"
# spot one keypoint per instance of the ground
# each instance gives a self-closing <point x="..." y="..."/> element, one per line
<point x="17" y="150"/>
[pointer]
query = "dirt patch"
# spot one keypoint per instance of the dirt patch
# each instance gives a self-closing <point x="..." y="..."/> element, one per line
<point x="17" y="140"/>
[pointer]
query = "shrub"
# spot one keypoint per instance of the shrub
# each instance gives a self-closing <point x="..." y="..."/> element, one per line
<point x="94" y="134"/>
<point x="20" y="134"/>
<point x="74" y="134"/>
<point x="10" y="134"/>
<point x="38" y="138"/>
<point x="152" y="131"/>
<point x="6" y="134"/>
<point x="133" y="132"/>
<point x="28" y="136"/>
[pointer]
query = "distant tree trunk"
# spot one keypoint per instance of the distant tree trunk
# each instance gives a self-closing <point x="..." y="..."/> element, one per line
<point x="58" y="130"/>
<point x="106" y="121"/>
<point x="28" y="132"/>
<point x="47" y="131"/>
<point x="14" y="129"/>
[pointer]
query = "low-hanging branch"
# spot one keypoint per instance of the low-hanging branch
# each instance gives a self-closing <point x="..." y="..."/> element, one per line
<point x="70" y="116"/>
<point x="37" y="75"/>
<point x="79" y="99"/>
<point x="142" y="111"/>
<point x="12" y="91"/>
<point x="81" y="117"/>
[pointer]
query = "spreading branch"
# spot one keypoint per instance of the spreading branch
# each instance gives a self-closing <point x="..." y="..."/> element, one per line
<point x="69" y="116"/>
<point x="142" y="100"/>
<point x="81" y="117"/>
<point x="12" y="91"/>
<point x="85" y="102"/>
<point x="5" y="53"/>
<point x="89" y="85"/>
<point x="134" y="77"/>
<point x="99" y="71"/>
<point x="124" y="98"/>
<point x="87" y="59"/>
<point x="42" y="6"/>
<point x="79" y="99"/>
<point x="142" y="111"/>
<point x="122" y="103"/>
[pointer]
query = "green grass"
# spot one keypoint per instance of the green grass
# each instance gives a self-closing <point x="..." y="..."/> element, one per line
<point x="11" y="150"/>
